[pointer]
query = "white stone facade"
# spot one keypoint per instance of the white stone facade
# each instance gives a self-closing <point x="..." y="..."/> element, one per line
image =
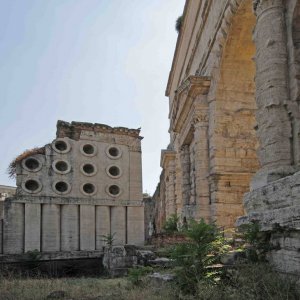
<point x="86" y="184"/>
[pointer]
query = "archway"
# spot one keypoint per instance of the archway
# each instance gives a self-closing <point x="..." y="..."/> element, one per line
<point x="233" y="141"/>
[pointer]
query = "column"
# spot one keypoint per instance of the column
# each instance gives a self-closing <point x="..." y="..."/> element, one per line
<point x="272" y="95"/>
<point x="202" y="164"/>
<point x="185" y="167"/>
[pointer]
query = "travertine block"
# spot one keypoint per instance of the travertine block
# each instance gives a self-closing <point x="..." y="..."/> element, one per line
<point x="102" y="225"/>
<point x="1" y="236"/>
<point x="50" y="227"/>
<point x="135" y="225"/>
<point x="70" y="227"/>
<point x="118" y="224"/>
<point x="32" y="227"/>
<point x="87" y="227"/>
<point x="13" y="233"/>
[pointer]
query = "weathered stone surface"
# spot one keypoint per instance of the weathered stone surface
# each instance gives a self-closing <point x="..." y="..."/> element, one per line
<point x="118" y="259"/>
<point x="85" y="185"/>
<point x="235" y="121"/>
<point x="162" y="277"/>
<point x="276" y="207"/>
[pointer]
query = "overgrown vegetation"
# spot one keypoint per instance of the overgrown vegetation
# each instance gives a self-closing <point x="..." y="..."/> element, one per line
<point x="11" y="170"/>
<point x="196" y="265"/>
<point x="195" y="259"/>
<point x="252" y="282"/>
<point x="256" y="242"/>
<point x="135" y="275"/>
<point x="178" y="23"/>
<point x="171" y="224"/>
<point x="109" y="239"/>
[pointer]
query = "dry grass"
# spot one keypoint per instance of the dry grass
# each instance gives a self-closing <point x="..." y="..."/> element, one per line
<point x="81" y="288"/>
<point x="11" y="170"/>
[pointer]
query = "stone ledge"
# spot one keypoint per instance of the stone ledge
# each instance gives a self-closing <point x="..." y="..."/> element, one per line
<point x="66" y="200"/>
<point x="279" y="194"/>
<point x="45" y="256"/>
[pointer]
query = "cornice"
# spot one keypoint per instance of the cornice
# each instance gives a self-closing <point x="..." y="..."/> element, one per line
<point x="73" y="129"/>
<point x="166" y="156"/>
<point x="184" y="98"/>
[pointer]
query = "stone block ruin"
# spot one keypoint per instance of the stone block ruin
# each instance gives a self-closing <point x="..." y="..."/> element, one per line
<point x="85" y="185"/>
<point x="234" y="149"/>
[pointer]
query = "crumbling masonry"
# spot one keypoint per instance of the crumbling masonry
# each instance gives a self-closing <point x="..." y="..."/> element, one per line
<point x="85" y="185"/>
<point x="234" y="95"/>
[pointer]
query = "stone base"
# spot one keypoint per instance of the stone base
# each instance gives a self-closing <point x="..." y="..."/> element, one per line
<point x="265" y="176"/>
<point x="118" y="259"/>
<point x="276" y="207"/>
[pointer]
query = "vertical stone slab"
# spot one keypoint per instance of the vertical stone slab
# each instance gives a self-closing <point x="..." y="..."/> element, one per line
<point x="50" y="227"/>
<point x="136" y="190"/>
<point x="135" y="226"/>
<point x="118" y="224"/>
<point x="32" y="227"/>
<point x="102" y="225"/>
<point x="87" y="227"/>
<point x="1" y="236"/>
<point x="69" y="227"/>
<point x="185" y="166"/>
<point x="202" y="166"/>
<point x="13" y="233"/>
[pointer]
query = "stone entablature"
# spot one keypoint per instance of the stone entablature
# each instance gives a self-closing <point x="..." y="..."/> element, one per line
<point x="84" y="185"/>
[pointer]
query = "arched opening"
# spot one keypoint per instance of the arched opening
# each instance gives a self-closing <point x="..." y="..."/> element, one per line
<point x="233" y="141"/>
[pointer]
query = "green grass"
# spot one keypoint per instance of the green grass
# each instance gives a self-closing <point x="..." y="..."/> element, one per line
<point x="80" y="288"/>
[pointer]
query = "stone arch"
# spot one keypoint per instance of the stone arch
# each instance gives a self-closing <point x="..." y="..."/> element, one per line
<point x="232" y="136"/>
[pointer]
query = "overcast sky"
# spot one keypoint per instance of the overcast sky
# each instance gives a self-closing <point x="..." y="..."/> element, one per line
<point x="99" y="61"/>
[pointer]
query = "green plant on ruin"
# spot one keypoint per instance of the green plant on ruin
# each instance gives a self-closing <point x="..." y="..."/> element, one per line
<point x="178" y="23"/>
<point x="257" y="241"/>
<point x="135" y="275"/>
<point x="109" y="239"/>
<point x="194" y="259"/>
<point x="170" y="225"/>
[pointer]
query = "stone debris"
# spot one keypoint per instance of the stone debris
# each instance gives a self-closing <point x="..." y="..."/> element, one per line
<point x="162" y="277"/>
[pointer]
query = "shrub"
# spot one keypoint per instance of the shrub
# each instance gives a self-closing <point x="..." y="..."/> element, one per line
<point x="194" y="259"/>
<point x="109" y="239"/>
<point x="135" y="275"/>
<point x="258" y="242"/>
<point x="178" y="23"/>
<point x="252" y="282"/>
<point x="170" y="225"/>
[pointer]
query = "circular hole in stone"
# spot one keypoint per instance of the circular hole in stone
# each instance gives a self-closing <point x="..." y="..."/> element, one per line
<point x="61" y="186"/>
<point x="61" y="145"/>
<point x="32" y="185"/>
<point x="113" y="151"/>
<point x="88" y="149"/>
<point x="32" y="163"/>
<point x="114" y="171"/>
<point x="114" y="190"/>
<point x="88" y="168"/>
<point x="61" y="166"/>
<point x="88" y="188"/>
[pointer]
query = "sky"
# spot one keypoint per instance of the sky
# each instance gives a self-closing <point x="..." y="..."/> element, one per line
<point x="98" y="61"/>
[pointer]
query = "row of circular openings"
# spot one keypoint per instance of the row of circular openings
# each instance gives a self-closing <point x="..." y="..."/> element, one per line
<point x="63" y="167"/>
<point x="61" y="187"/>
<point x="62" y="147"/>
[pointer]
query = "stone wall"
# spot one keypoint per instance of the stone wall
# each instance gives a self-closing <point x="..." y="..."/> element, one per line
<point x="212" y="155"/>
<point x="48" y="225"/>
<point x="83" y="186"/>
<point x="5" y="192"/>
<point x="276" y="207"/>
<point x="234" y="116"/>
